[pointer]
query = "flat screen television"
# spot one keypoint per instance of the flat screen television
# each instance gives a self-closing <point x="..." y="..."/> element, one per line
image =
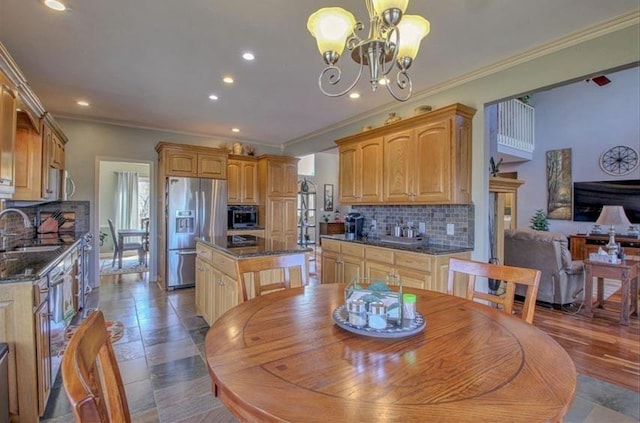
<point x="589" y="197"/>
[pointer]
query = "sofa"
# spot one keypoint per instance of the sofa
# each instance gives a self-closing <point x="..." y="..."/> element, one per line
<point x="562" y="279"/>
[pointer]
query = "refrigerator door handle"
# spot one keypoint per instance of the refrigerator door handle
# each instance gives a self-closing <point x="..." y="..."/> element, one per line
<point x="202" y="223"/>
<point x="186" y="252"/>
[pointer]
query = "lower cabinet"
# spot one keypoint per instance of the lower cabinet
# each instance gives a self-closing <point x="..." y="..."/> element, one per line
<point x="343" y="260"/>
<point x="216" y="286"/>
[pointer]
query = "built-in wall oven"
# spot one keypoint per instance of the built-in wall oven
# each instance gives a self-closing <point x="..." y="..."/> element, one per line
<point x="242" y="217"/>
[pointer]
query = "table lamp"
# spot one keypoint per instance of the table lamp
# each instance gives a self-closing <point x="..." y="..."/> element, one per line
<point x="612" y="215"/>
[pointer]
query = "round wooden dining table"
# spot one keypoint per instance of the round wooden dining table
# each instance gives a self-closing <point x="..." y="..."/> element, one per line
<point x="280" y="357"/>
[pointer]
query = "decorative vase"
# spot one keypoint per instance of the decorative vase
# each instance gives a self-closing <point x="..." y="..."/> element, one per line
<point x="237" y="148"/>
<point x="392" y="118"/>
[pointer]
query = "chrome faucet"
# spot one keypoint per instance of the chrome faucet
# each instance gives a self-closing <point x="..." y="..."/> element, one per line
<point x="4" y="235"/>
<point x="26" y="219"/>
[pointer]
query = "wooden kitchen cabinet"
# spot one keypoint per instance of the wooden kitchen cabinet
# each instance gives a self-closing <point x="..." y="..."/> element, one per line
<point x="242" y="181"/>
<point x="416" y="270"/>
<point x="280" y="219"/>
<point x="28" y="157"/>
<point x="427" y="160"/>
<point x="360" y="171"/>
<point x="8" y="118"/>
<point x="278" y="176"/>
<point x="277" y="211"/>
<point x="341" y="262"/>
<point x="192" y="161"/>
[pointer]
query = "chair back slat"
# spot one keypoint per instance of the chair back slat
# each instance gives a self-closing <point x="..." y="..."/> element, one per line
<point x="510" y="275"/>
<point x="91" y="376"/>
<point x="256" y="266"/>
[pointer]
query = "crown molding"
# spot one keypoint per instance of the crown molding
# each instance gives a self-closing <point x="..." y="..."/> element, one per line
<point x="578" y="37"/>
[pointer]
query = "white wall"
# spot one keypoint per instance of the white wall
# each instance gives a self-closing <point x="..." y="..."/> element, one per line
<point x="588" y="119"/>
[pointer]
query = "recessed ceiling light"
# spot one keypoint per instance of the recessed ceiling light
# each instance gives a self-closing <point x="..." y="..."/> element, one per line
<point x="56" y="5"/>
<point x="83" y="103"/>
<point x="248" y="56"/>
<point x="227" y="80"/>
<point x="354" y="95"/>
<point x="213" y="97"/>
<point x="235" y="129"/>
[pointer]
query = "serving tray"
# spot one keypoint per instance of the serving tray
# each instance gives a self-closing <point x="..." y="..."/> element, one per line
<point x="341" y="318"/>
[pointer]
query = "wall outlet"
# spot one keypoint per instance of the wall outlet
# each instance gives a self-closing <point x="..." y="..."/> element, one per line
<point x="374" y="224"/>
<point x="450" y="228"/>
<point x="422" y="227"/>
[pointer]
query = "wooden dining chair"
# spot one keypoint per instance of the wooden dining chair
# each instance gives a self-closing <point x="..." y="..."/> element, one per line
<point x="277" y="279"/>
<point x="126" y="246"/>
<point x="91" y="376"/>
<point x="510" y="275"/>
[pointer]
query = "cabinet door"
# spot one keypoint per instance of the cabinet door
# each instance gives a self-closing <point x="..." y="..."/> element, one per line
<point x="290" y="222"/>
<point x="414" y="279"/>
<point x="226" y="294"/>
<point x="433" y="179"/>
<point x="282" y="178"/>
<point x="281" y="219"/>
<point x="234" y="182"/>
<point x="249" y="186"/>
<point x="28" y="162"/>
<point x="370" y="171"/>
<point x="180" y="163"/>
<point x="399" y="160"/>
<point x="8" y="116"/>
<point x="200" y="282"/>
<point x="352" y="267"/>
<point x="348" y="174"/>
<point x="379" y="271"/>
<point x="43" y="354"/>
<point x="212" y="166"/>
<point x="330" y="266"/>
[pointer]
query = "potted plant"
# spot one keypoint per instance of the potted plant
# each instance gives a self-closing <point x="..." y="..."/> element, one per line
<point x="103" y="235"/>
<point x="539" y="221"/>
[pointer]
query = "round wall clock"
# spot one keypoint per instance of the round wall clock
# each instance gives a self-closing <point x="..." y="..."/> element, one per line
<point x="619" y="160"/>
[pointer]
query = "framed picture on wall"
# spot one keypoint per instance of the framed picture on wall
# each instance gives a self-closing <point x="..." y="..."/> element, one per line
<point x="328" y="197"/>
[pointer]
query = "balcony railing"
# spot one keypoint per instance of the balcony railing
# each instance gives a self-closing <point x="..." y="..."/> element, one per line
<point x="516" y="126"/>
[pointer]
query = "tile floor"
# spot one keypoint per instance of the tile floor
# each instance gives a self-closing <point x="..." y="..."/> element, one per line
<point x="161" y="361"/>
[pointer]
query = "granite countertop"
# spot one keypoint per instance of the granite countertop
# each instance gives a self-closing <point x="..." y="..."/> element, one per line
<point x="244" y="246"/>
<point x="424" y="248"/>
<point x="29" y="266"/>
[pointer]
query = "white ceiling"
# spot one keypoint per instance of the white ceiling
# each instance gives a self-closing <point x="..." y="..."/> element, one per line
<point x="153" y="63"/>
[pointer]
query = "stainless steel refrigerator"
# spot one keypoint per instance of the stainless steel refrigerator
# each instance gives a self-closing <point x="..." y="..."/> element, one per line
<point x="195" y="208"/>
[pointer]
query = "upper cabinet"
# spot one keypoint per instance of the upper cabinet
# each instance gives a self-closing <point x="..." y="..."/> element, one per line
<point x="279" y="175"/>
<point x="8" y="118"/>
<point x="425" y="159"/>
<point x="192" y="161"/>
<point x="242" y="180"/>
<point x="360" y="179"/>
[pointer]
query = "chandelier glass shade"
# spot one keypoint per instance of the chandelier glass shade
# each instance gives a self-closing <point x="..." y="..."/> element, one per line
<point x="393" y="38"/>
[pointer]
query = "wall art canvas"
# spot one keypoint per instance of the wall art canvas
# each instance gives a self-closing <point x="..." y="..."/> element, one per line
<point x="328" y="197"/>
<point x="559" y="202"/>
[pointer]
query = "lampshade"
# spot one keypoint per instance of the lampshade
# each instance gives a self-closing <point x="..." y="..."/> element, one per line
<point x="331" y="26"/>
<point x="413" y="29"/>
<point x="612" y="215"/>
<point x="381" y="5"/>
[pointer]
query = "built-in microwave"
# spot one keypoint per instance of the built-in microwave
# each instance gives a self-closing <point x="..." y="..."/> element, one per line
<point x="242" y="217"/>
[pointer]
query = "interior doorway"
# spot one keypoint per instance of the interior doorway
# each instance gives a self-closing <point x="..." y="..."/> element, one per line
<point x="125" y="195"/>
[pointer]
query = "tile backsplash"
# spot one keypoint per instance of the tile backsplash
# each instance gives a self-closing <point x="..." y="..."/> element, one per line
<point x="435" y="219"/>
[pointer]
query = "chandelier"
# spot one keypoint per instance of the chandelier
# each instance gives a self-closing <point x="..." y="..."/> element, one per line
<point x="393" y="38"/>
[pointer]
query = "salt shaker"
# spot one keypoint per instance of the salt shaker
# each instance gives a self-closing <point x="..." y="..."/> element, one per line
<point x="377" y="315"/>
<point x="357" y="313"/>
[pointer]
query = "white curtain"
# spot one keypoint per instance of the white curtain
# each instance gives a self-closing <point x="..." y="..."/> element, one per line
<point x="127" y="200"/>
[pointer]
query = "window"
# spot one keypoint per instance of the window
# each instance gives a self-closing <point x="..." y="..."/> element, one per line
<point x="307" y="165"/>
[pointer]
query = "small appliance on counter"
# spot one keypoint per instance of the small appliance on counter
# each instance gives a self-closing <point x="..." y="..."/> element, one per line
<point x="353" y="223"/>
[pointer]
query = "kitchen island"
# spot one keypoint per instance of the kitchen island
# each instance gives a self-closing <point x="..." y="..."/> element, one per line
<point x="417" y="265"/>
<point x="218" y="286"/>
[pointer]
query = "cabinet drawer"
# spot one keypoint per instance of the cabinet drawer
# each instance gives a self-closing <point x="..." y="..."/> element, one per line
<point x="330" y="245"/>
<point x="224" y="264"/>
<point x="413" y="261"/>
<point x="354" y="250"/>
<point x="381" y="255"/>
<point x="204" y="253"/>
